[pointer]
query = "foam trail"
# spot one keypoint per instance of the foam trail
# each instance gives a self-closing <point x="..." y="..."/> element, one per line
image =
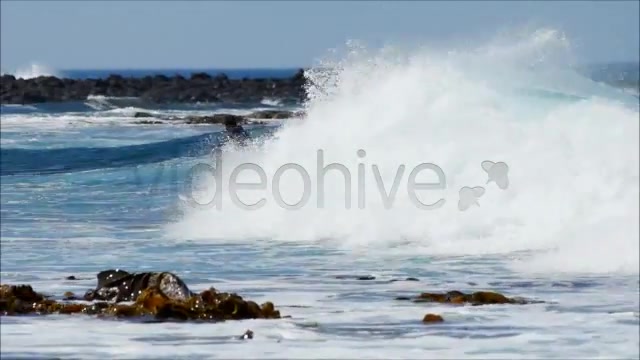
<point x="571" y="146"/>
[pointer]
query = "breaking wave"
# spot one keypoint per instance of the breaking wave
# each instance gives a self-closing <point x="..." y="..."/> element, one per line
<point x="571" y="146"/>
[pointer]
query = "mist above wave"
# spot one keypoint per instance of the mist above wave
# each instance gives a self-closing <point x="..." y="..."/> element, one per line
<point x="32" y="70"/>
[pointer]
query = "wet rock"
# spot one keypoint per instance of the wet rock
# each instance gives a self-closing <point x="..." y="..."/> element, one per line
<point x="71" y="278"/>
<point x="20" y="299"/>
<point x="72" y="309"/>
<point x="366" y="278"/>
<point x="96" y="308"/>
<point x="198" y="88"/>
<point x="209" y="296"/>
<point x="271" y="114"/>
<point x="355" y="277"/>
<point x="247" y="335"/>
<point x="119" y="285"/>
<point x="163" y="300"/>
<point x="20" y="292"/>
<point x="460" y="298"/>
<point x="487" y="297"/>
<point x="253" y="118"/>
<point x="432" y="318"/>
<point x="152" y="299"/>
<point x="407" y="279"/>
<point x="214" y="119"/>
<point x="173" y="311"/>
<point x="268" y="310"/>
<point x="46" y="307"/>
<point x="148" y="122"/>
<point x="69" y="296"/>
<point x="141" y="114"/>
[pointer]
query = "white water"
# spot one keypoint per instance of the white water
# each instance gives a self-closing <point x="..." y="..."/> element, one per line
<point x="571" y="146"/>
<point x="573" y="196"/>
<point x="32" y="70"/>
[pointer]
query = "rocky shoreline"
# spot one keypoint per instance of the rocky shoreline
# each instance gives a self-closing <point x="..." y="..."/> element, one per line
<point x="160" y="89"/>
<point x="163" y="296"/>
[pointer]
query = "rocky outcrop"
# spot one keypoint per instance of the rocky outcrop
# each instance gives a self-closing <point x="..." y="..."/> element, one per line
<point x="253" y="117"/>
<point x="119" y="285"/>
<point x="199" y="88"/>
<point x="162" y="296"/>
<point x="460" y="298"/>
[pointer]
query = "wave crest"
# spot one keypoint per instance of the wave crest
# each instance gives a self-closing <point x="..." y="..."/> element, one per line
<point x="570" y="143"/>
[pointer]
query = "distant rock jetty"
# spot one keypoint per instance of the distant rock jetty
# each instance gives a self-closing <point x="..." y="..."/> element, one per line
<point x="160" y="89"/>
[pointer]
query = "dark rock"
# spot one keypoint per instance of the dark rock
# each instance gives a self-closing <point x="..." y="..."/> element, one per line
<point x="271" y="114"/>
<point x="148" y="122"/>
<point x="72" y="309"/>
<point x="161" y="299"/>
<point x="407" y="279"/>
<point x="460" y="298"/>
<point x="200" y="87"/>
<point x="215" y="119"/>
<point x="200" y="76"/>
<point x="356" y="277"/>
<point x="71" y="278"/>
<point x="20" y="292"/>
<point x="119" y="285"/>
<point x="432" y="318"/>
<point x="247" y="335"/>
<point x="140" y="114"/>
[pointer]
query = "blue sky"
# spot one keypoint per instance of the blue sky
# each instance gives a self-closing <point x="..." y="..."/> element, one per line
<point x="185" y="34"/>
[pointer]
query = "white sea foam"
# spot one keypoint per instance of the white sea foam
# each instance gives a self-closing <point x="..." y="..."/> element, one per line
<point x="571" y="146"/>
<point x="32" y="70"/>
<point x="271" y="102"/>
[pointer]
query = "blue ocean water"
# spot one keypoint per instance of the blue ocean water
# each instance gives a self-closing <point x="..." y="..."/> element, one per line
<point x="84" y="189"/>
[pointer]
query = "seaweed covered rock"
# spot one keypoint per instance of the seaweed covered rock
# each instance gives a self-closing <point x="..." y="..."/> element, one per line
<point x="162" y="296"/>
<point x="460" y="298"/>
<point x="18" y="299"/>
<point x="119" y="285"/>
<point x="20" y="292"/>
<point x="432" y="318"/>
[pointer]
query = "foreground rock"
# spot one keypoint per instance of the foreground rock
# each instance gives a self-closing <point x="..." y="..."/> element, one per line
<point x="460" y="298"/>
<point x="432" y="318"/>
<point x="199" y="88"/>
<point x="120" y="285"/>
<point x="218" y="118"/>
<point x="161" y="296"/>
